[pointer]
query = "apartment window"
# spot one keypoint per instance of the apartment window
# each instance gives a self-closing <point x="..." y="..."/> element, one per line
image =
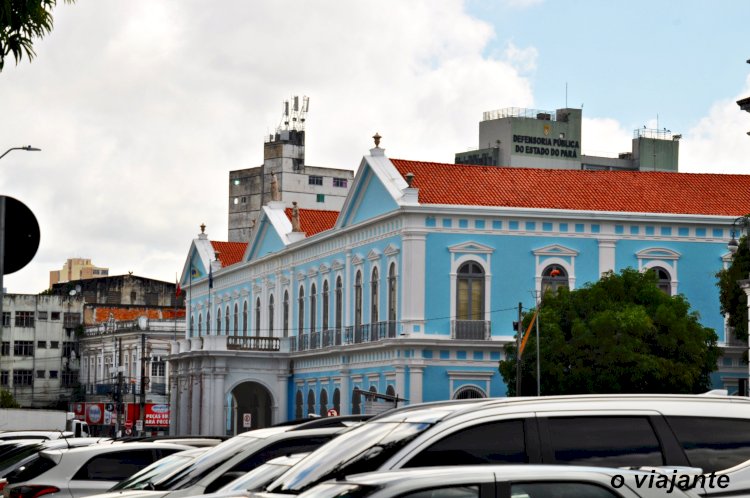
<point x="23" y="378"/>
<point x="24" y="318"/>
<point x="236" y="318"/>
<point x="54" y="344"/>
<point x="313" y="308"/>
<point x="4" y="375"/>
<point x="270" y="315"/>
<point x="243" y="200"/>
<point x="301" y="312"/>
<point x="6" y="318"/>
<point x="244" y="318"/>
<point x="236" y="200"/>
<point x="226" y="321"/>
<point x="53" y="374"/>
<point x="286" y="314"/>
<point x="42" y="315"/>
<point x="374" y="296"/>
<point x="5" y="351"/>
<point x="320" y="198"/>
<point x="41" y="344"/>
<point x="55" y="315"/>
<point x="470" y="292"/>
<point x="157" y="369"/>
<point x="339" y="182"/>
<point x="314" y="180"/>
<point x="23" y="348"/>
<point x="68" y="348"/>
<point x="69" y="379"/>
<point x="339" y="289"/>
<point x="71" y="320"/>
<point x="325" y="305"/>
<point x="40" y="374"/>
<point x="358" y="300"/>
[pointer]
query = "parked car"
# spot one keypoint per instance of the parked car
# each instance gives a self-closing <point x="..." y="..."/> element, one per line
<point x="28" y="451"/>
<point x="228" y="461"/>
<point x="86" y="471"/>
<point x="159" y="470"/>
<point x="10" y="435"/>
<point x="495" y="481"/>
<point x="711" y="433"/>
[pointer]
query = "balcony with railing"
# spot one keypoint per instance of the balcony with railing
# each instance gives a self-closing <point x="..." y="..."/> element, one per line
<point x="253" y="343"/>
<point x="472" y="330"/>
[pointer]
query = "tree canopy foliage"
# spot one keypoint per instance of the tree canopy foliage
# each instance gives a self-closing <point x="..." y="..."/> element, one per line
<point x="7" y="400"/>
<point x="621" y="334"/>
<point x="732" y="298"/>
<point x="21" y="21"/>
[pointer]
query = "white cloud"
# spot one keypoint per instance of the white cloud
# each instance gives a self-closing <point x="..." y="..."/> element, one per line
<point x="604" y="137"/>
<point x="142" y="109"/>
<point x="524" y="59"/>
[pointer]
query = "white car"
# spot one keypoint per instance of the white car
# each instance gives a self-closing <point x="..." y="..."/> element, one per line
<point x="501" y="481"/>
<point x="77" y="472"/>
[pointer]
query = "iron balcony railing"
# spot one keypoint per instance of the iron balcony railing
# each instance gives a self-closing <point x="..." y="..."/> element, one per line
<point x="474" y="330"/>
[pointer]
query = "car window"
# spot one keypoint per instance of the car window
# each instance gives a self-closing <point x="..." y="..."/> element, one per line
<point x="279" y="448"/>
<point x="560" y="490"/>
<point x="445" y="492"/>
<point x="157" y="470"/>
<point x="114" y="466"/>
<point x="713" y="444"/>
<point x="33" y="469"/>
<point x="604" y="441"/>
<point x="496" y="442"/>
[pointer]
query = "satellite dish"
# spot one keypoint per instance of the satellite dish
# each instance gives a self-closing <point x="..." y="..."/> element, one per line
<point x="142" y="322"/>
<point x="73" y="292"/>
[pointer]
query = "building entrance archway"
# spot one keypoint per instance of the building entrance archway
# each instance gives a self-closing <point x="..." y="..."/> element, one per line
<point x="254" y="399"/>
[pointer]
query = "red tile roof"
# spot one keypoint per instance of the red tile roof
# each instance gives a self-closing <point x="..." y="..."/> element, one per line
<point x="621" y="191"/>
<point x="229" y="253"/>
<point x="314" y="221"/>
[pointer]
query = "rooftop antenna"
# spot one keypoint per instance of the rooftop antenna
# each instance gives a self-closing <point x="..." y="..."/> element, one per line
<point x="566" y="94"/>
<point x="294" y="114"/>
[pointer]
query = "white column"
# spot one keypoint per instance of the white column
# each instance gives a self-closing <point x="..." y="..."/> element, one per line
<point x="413" y="280"/>
<point x="400" y="381"/>
<point x="416" y="376"/>
<point x="345" y="393"/>
<point x="195" y="412"/>
<point x="606" y="255"/>
<point x="183" y="412"/>
<point x="220" y="403"/>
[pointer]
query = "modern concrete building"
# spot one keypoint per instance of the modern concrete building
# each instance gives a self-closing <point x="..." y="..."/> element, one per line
<point x="39" y="359"/>
<point x="312" y="187"/>
<point x="411" y="289"/>
<point x="529" y="138"/>
<point x="76" y="269"/>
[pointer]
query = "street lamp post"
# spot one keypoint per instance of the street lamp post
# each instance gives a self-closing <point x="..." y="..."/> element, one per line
<point x="739" y="226"/>
<point x="27" y="148"/>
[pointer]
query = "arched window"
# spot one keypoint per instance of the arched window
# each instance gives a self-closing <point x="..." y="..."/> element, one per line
<point x="270" y="315"/>
<point x="470" y="292"/>
<point x="286" y="313"/>
<point x="236" y="318"/>
<point x="339" y="304"/>
<point x="258" y="328"/>
<point x="356" y="399"/>
<point x="301" y="312"/>
<point x="390" y="391"/>
<point x="313" y="308"/>
<point x="374" y="295"/>
<point x="323" y="403"/>
<point x="469" y="392"/>
<point x="325" y="305"/>
<point x="663" y="279"/>
<point x="554" y="277"/>
<point x="298" y="405"/>
<point x="200" y="324"/>
<point x="337" y="400"/>
<point x="358" y="300"/>
<point x="218" y="321"/>
<point x="208" y="323"/>
<point x="226" y="321"/>
<point x="310" y="402"/>
<point x="244" y="318"/>
<point x="392" y="293"/>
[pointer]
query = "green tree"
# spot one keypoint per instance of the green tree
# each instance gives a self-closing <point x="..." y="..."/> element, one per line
<point x="7" y="400"/>
<point x="733" y="300"/>
<point x="620" y="334"/>
<point x="21" y="21"/>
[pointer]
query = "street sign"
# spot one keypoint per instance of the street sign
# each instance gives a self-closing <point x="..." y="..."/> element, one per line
<point x="139" y="425"/>
<point x="333" y="413"/>
<point x="21" y="235"/>
<point x="247" y="420"/>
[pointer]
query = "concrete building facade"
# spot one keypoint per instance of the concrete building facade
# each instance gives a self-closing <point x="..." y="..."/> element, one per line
<point x="76" y="269"/>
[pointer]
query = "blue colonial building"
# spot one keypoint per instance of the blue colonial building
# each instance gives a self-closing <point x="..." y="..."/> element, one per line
<point x="411" y="290"/>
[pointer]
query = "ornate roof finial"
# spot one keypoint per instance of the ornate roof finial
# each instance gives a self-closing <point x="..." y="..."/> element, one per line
<point x="295" y="218"/>
<point x="377" y="138"/>
<point x="203" y="228"/>
<point x="275" y="194"/>
<point x="409" y="178"/>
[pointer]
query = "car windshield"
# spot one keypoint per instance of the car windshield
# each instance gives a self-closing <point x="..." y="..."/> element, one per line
<point x="256" y="479"/>
<point x="204" y="464"/>
<point x="159" y="469"/>
<point x="362" y="449"/>
<point x="18" y="453"/>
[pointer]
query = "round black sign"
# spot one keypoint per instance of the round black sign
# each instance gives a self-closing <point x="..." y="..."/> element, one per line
<point x="21" y="235"/>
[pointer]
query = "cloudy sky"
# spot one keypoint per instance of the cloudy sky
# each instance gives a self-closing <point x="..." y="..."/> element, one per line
<point x="142" y="107"/>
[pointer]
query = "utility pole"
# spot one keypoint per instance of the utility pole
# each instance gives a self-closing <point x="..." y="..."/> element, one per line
<point x="143" y="381"/>
<point x="519" y="327"/>
<point x="120" y="404"/>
